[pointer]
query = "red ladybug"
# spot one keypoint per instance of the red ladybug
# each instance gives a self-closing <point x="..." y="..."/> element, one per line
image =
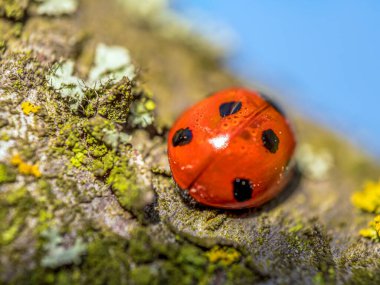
<point x="231" y="150"/>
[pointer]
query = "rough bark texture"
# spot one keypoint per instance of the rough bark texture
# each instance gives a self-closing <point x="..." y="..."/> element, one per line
<point x="86" y="195"/>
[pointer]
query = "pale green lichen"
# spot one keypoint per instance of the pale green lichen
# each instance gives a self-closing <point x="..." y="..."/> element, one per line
<point x="57" y="255"/>
<point x="57" y="7"/>
<point x="111" y="63"/>
<point x="315" y="164"/>
<point x="70" y="87"/>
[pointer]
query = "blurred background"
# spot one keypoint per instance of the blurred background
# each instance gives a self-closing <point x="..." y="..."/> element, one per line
<point x="321" y="57"/>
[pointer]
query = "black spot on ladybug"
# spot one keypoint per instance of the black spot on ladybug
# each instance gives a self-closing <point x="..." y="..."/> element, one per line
<point x="229" y="108"/>
<point x="182" y="137"/>
<point x="243" y="189"/>
<point x="270" y="140"/>
<point x="273" y="104"/>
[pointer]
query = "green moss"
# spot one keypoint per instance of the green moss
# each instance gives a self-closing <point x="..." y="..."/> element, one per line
<point x="24" y="74"/>
<point x="240" y="274"/>
<point x="144" y="275"/>
<point x="95" y="145"/>
<point x="20" y="200"/>
<point x="141" y="249"/>
<point x="13" y="9"/>
<point x="8" y="31"/>
<point x="106" y="261"/>
<point x="98" y="150"/>
<point x="123" y="182"/>
<point x="363" y="276"/>
<point x="3" y="46"/>
<point x="297" y="227"/>
<point x="78" y="159"/>
<point x="191" y="260"/>
<point x="161" y="171"/>
<point x="8" y="235"/>
<point x="7" y="174"/>
<point x="100" y="167"/>
<point x="112" y="101"/>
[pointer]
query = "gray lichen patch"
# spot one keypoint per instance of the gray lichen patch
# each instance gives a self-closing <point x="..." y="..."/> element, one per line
<point x="56" y="254"/>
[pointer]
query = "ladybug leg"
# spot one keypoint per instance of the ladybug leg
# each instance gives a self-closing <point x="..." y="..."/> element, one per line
<point x="187" y="199"/>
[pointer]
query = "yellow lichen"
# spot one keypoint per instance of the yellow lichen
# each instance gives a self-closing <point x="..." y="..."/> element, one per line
<point x="150" y="105"/>
<point x="16" y="159"/>
<point x="223" y="255"/>
<point x="24" y="167"/>
<point x="373" y="230"/>
<point x="27" y="107"/>
<point x="368" y="199"/>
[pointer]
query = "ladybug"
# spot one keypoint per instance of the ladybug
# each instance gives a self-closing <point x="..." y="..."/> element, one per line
<point x="231" y="150"/>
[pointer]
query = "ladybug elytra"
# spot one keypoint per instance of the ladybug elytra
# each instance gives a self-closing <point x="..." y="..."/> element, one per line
<point x="231" y="150"/>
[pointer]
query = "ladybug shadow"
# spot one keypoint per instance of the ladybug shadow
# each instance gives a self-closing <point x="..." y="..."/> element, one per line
<point x="290" y="188"/>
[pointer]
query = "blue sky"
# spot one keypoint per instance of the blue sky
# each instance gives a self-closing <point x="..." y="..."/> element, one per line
<point x="322" y="56"/>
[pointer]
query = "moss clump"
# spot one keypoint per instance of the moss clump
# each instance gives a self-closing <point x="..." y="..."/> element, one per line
<point x="363" y="276"/>
<point x="141" y="249"/>
<point x="111" y="101"/>
<point x="13" y="9"/>
<point x="144" y="258"/>
<point x="368" y="199"/>
<point x="101" y="167"/>
<point x="174" y="263"/>
<point x="144" y="275"/>
<point x="20" y="201"/>
<point x="91" y="144"/>
<point x="7" y="174"/>
<point x="24" y="73"/>
<point x="8" y="30"/>
<point x="240" y="274"/>
<point x="99" y="146"/>
<point x="131" y="194"/>
<point x="106" y="261"/>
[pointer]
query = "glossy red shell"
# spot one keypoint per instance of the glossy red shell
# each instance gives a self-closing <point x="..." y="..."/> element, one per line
<point x="223" y="150"/>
